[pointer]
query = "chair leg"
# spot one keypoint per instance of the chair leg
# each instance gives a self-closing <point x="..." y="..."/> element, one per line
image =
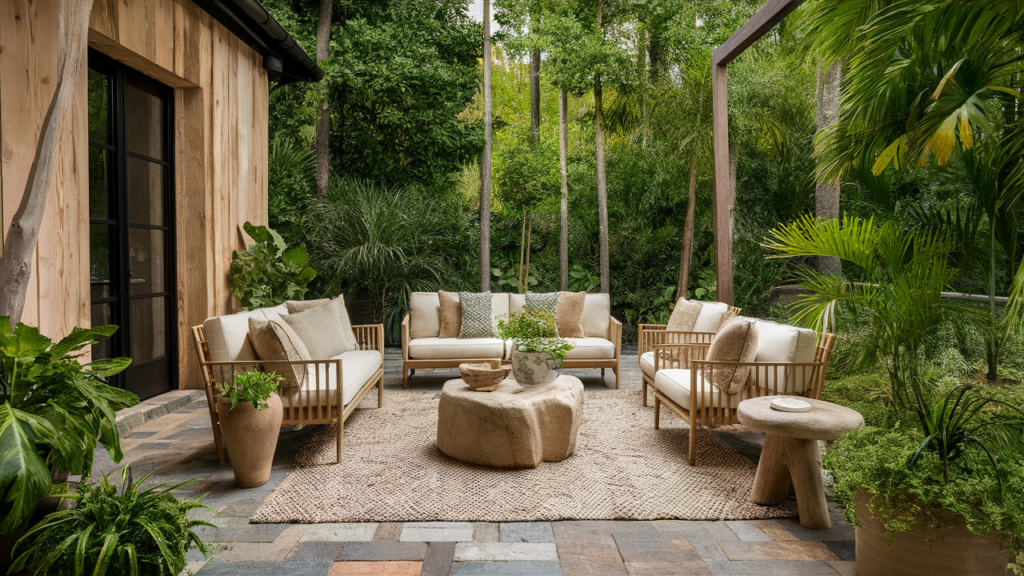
<point x="219" y="442"/>
<point x="341" y="437"/>
<point x="380" y="392"/>
<point x="617" y="385"/>
<point x="602" y="372"/>
<point x="405" y="377"/>
<point x="643" y="394"/>
<point x="693" y="442"/>
<point x="657" y="412"/>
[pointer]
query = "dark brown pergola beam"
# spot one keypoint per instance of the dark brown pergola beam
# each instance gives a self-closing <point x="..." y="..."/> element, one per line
<point x="762" y="22"/>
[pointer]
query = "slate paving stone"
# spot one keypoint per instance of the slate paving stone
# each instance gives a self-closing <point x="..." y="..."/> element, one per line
<point x="139" y="435"/>
<point x="694" y="568"/>
<point x="526" y="532"/>
<point x="200" y="421"/>
<point x="340" y="532"/>
<point x="239" y="510"/>
<point x="773" y="529"/>
<point x="246" y="533"/>
<point x="437" y="532"/>
<point x="383" y="550"/>
<point x="771" y="568"/>
<point x="702" y="542"/>
<point x="784" y="550"/>
<point x="486" y="532"/>
<point x="845" y="549"/>
<point x="721" y="532"/>
<point x="395" y="568"/>
<point x="505" y="552"/>
<point x="529" y="568"/>
<point x="747" y="532"/>
<point x="579" y="558"/>
<point x="265" y="569"/>
<point x="674" y="544"/>
<point x="388" y="531"/>
<point x="844" y="567"/>
<point x="438" y="561"/>
<point x="315" y="551"/>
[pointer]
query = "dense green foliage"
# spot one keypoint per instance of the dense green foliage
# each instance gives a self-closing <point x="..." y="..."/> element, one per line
<point x="269" y="272"/>
<point x="53" y="411"/>
<point x="134" y="532"/>
<point x="252" y="386"/>
<point x="534" y="330"/>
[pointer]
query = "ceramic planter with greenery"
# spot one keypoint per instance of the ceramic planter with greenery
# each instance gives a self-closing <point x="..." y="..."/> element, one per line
<point x="538" y="351"/>
<point x="53" y="411"/>
<point x="250" y="422"/>
<point x="135" y="531"/>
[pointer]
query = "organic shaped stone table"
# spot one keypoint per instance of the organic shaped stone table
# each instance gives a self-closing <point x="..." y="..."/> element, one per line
<point x="790" y="454"/>
<point x="512" y="427"/>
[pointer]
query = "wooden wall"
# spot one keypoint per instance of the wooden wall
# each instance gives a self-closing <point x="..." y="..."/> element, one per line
<point x="220" y="168"/>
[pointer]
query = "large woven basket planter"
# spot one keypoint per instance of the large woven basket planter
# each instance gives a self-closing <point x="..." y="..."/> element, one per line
<point x="953" y="551"/>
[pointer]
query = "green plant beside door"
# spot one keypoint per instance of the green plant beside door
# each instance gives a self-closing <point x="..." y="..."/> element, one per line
<point x="269" y="272"/>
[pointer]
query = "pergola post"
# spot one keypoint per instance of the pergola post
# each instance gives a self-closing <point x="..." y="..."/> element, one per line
<point x="762" y="22"/>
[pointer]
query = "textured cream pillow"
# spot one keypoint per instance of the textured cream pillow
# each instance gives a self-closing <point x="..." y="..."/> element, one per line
<point x="274" y="340"/>
<point x="684" y="316"/>
<point x="322" y="329"/>
<point x="296" y="306"/>
<point x="570" y="314"/>
<point x="735" y="342"/>
<point x="451" y="314"/>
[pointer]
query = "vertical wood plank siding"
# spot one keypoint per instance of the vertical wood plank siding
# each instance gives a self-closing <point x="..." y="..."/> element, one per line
<point x="220" y="132"/>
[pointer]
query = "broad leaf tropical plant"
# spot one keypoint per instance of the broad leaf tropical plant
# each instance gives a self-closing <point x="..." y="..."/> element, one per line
<point x="136" y="532"/>
<point x="53" y="410"/>
<point x="269" y="272"/>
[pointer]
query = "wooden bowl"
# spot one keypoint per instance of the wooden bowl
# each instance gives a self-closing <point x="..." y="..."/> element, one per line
<point x="483" y="375"/>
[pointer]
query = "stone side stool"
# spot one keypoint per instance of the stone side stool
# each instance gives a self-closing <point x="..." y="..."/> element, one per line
<point x="790" y="454"/>
<point x="513" y="426"/>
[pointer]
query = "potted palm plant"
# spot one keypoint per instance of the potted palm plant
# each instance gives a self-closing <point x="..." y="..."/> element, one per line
<point x="250" y="421"/>
<point x="538" y="350"/>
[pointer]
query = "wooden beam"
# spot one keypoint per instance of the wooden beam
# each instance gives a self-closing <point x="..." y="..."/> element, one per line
<point x="723" y="193"/>
<point x="762" y="22"/>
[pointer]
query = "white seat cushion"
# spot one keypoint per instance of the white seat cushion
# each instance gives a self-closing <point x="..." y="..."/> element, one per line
<point x="675" y="383"/>
<point x="455" y="348"/>
<point x="590" y="349"/>
<point x="782" y="343"/>
<point x="710" y="317"/>
<point x="357" y="366"/>
<point x="647" y="363"/>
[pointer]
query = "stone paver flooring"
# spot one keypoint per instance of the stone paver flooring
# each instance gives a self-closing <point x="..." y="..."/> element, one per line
<point x="179" y="447"/>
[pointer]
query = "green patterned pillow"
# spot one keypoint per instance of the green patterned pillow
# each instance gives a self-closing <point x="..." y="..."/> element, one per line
<point x="547" y="302"/>
<point x="476" y="315"/>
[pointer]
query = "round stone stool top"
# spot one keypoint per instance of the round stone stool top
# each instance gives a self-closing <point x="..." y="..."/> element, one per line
<point x="513" y="426"/>
<point x="825" y="421"/>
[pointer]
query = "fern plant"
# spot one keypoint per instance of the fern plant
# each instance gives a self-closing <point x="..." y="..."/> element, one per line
<point x="132" y="532"/>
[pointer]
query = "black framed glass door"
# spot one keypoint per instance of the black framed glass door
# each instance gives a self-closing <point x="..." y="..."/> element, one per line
<point x="131" y="223"/>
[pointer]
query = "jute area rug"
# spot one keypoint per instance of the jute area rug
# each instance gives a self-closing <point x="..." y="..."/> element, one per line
<point x="623" y="469"/>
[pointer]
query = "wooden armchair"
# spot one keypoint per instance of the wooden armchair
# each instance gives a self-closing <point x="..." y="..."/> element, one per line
<point x="691" y="395"/>
<point x="320" y="400"/>
<point x="652" y="335"/>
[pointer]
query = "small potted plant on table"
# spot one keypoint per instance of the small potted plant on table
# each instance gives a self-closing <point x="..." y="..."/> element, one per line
<point x="250" y="421"/>
<point x="538" y="350"/>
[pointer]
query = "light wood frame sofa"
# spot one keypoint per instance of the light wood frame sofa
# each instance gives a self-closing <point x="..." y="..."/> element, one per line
<point x="224" y="349"/>
<point x="651" y="335"/>
<point x="601" y="346"/>
<point x="769" y="375"/>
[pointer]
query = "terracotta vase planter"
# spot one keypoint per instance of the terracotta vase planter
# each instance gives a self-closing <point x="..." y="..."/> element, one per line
<point x="250" y="435"/>
<point x="953" y="551"/>
<point x="534" y="368"/>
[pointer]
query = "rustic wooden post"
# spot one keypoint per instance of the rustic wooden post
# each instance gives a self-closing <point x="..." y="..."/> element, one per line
<point x="762" y="22"/>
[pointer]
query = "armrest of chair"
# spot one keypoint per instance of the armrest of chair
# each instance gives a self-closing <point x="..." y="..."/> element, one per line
<point x="405" y="337"/>
<point x="679" y="353"/>
<point x="644" y="336"/>
<point x="615" y="335"/>
<point x="224" y="372"/>
<point x="370" y="337"/>
<point x="772" y="378"/>
<point x="652" y="338"/>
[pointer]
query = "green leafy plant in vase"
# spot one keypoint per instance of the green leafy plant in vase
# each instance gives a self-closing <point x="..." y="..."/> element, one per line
<point x="53" y="411"/>
<point x="269" y="272"/>
<point x="538" y="350"/>
<point x="251" y="413"/>
<point x="109" y="533"/>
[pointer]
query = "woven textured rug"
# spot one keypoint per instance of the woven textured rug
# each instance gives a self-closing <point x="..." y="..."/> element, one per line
<point x="623" y="469"/>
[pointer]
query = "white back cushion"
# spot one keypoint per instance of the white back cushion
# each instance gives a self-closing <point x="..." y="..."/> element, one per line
<point x="779" y="343"/>
<point x="499" y="307"/>
<point x="228" y="336"/>
<point x="516" y="303"/>
<point x="424" y="315"/>
<point x="710" y="317"/>
<point x="597" y="312"/>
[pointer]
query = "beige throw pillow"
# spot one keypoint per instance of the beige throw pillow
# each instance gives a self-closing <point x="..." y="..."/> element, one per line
<point x="735" y="342"/>
<point x="570" y="314"/>
<point x="684" y="316"/>
<point x="325" y="330"/>
<point x="451" y="314"/>
<point x="274" y="340"/>
<point x="296" y="306"/>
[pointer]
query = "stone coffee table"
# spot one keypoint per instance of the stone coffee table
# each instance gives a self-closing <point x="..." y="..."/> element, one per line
<point x="790" y="455"/>
<point x="512" y="427"/>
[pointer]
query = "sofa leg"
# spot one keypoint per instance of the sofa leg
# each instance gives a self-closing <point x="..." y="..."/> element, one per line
<point x="602" y="373"/>
<point x="341" y="437"/>
<point x="657" y="413"/>
<point x="616" y="370"/>
<point x="380" y="392"/>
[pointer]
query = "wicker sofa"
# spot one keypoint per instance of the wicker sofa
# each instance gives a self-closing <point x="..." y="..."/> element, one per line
<point x="601" y="346"/>
<point x="223" y="346"/>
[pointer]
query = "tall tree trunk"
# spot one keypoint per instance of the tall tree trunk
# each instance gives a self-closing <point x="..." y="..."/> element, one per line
<point x="16" y="261"/>
<point x="485" y="161"/>
<point x="526" y="270"/>
<point x="323" y="122"/>
<point x="563" y="162"/>
<point x="602" y="180"/>
<point x="641" y="65"/>
<point x="522" y="254"/>
<point x="826" y="194"/>
<point x="685" y="253"/>
<point x="535" y="95"/>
